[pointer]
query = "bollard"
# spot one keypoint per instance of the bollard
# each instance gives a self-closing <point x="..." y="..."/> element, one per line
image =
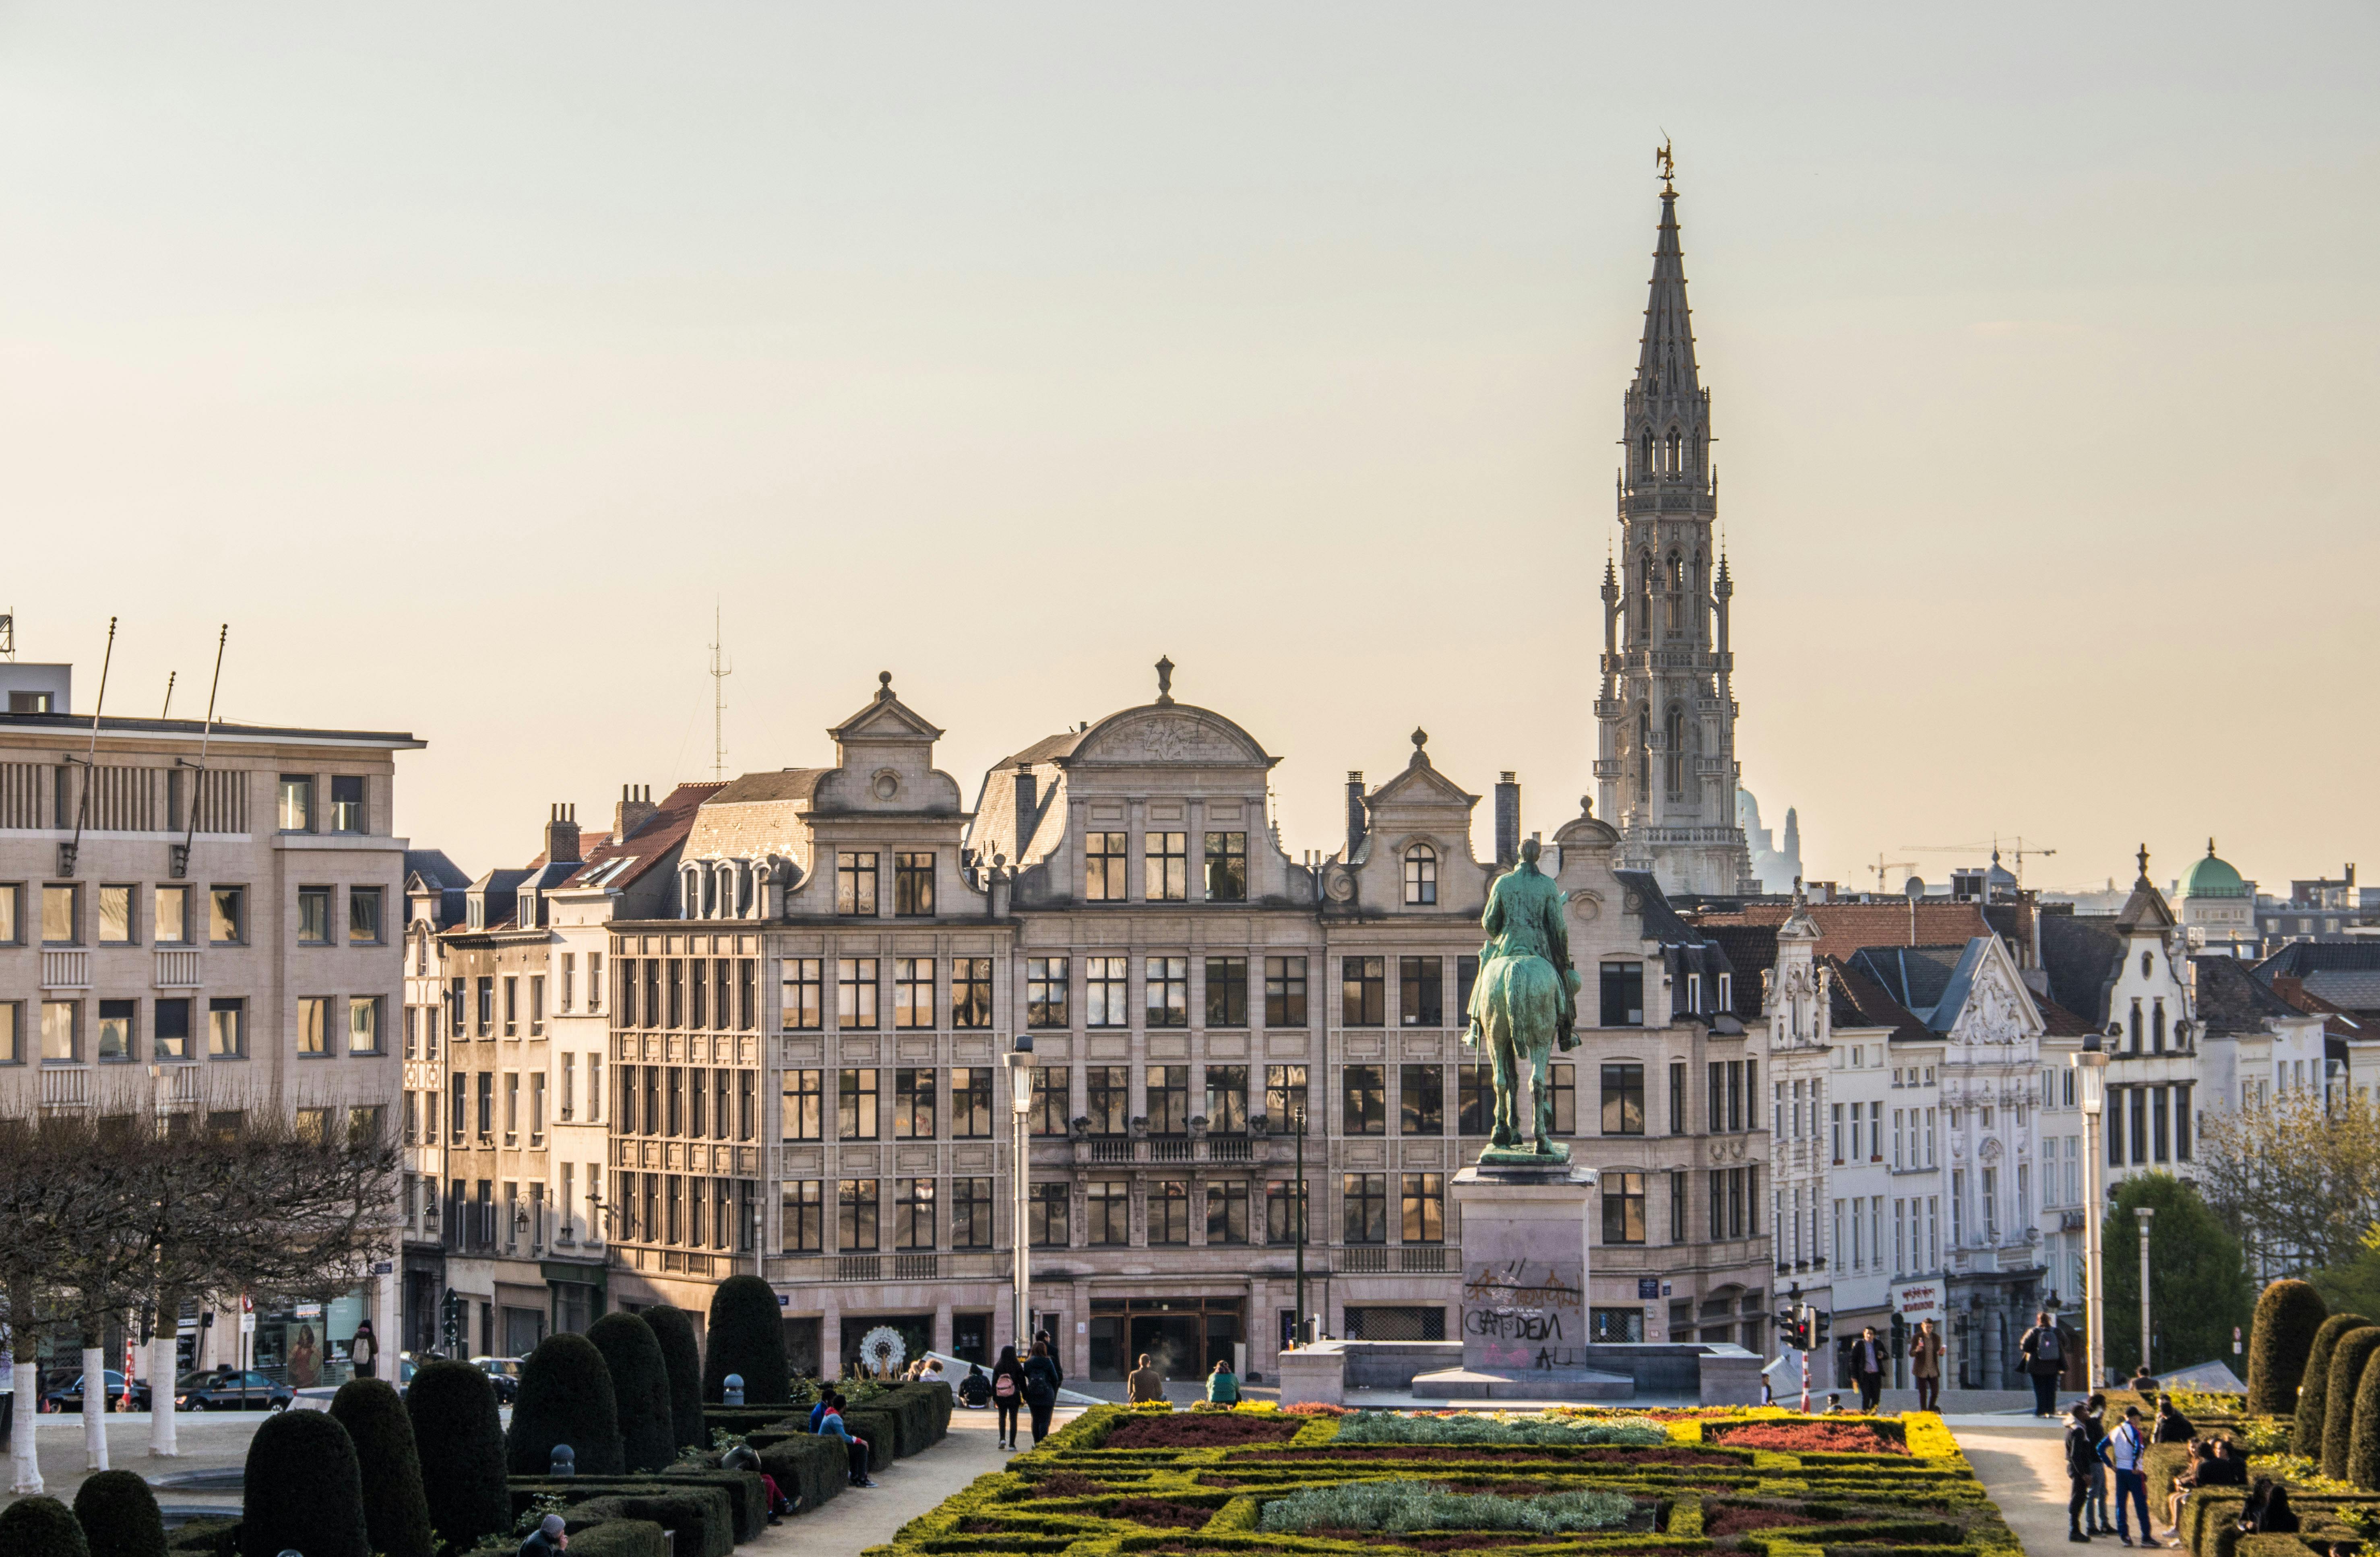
<point x="732" y="1389"/>
<point x="565" y="1461"/>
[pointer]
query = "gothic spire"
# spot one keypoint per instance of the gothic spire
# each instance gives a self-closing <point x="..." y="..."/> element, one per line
<point x="1665" y="361"/>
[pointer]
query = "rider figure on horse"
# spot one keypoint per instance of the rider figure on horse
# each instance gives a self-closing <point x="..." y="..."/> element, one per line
<point x="1524" y="1004"/>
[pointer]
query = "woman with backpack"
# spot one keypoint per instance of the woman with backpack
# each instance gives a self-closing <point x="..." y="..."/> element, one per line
<point x="1041" y="1378"/>
<point x="1007" y="1393"/>
<point x="2045" y="1357"/>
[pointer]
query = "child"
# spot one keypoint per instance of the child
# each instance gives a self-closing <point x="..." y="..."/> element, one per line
<point x="1834" y="1405"/>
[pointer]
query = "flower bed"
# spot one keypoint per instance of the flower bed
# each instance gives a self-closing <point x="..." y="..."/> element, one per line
<point x="1407" y="1505"/>
<point x="1824" y="1436"/>
<point x="1201" y="1430"/>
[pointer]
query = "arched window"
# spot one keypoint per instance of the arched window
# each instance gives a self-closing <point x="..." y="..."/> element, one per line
<point x="1421" y="875"/>
<point x="1677" y="751"/>
<point x="2148" y="964"/>
<point x="1644" y="462"/>
<point x="1677" y="591"/>
<point x="2157" y="1026"/>
<point x="2136" y="1025"/>
<point x="1644" y="752"/>
<point x="1677" y="444"/>
<point x="1652" y="581"/>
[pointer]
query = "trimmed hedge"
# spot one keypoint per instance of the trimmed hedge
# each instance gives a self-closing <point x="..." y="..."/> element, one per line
<point x="118" y="1516"/>
<point x="41" y="1526"/>
<point x="460" y="1443"/>
<point x="698" y="1517"/>
<point x="674" y="1330"/>
<point x="904" y="1420"/>
<point x="2314" y="1394"/>
<point x="2287" y="1315"/>
<point x="204" y="1538"/>
<point x="2364" y="1437"/>
<point x="303" y="1490"/>
<point x="747" y="1500"/>
<point x="2349" y="1356"/>
<point x="620" y="1538"/>
<point x="813" y="1469"/>
<point x="640" y="1389"/>
<point x="565" y="1397"/>
<point x="747" y="1337"/>
<point x="742" y="1420"/>
<point x="396" y="1510"/>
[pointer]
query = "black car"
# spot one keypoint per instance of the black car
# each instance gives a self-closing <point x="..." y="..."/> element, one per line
<point x="504" y="1376"/>
<point x="68" y="1397"/>
<point x="228" y="1389"/>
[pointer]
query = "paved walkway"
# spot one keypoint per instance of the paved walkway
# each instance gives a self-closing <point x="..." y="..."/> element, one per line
<point x="2022" y="1464"/>
<point x="857" y="1520"/>
<point x="209" y="1441"/>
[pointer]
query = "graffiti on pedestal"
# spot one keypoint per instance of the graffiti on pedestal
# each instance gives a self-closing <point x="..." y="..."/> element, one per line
<point x="1524" y="1312"/>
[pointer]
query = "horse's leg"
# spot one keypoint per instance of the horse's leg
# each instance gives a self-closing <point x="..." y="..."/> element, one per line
<point x="1503" y="1065"/>
<point x="1523" y="1090"/>
<point x="1542" y="1117"/>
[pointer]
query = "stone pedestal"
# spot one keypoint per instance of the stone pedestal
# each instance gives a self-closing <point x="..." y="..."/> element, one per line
<point x="1524" y="1314"/>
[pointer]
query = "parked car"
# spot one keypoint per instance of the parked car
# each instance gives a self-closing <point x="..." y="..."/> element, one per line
<point x="503" y="1373"/>
<point x="68" y="1397"/>
<point x="228" y="1389"/>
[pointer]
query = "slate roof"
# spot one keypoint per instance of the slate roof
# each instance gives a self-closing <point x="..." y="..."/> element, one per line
<point x="1751" y="951"/>
<point x="2081" y="955"/>
<point x="1928" y="981"/>
<point x="2230" y="998"/>
<point x="2346" y="973"/>
<point x="1854" y="1000"/>
<point x="785" y="784"/>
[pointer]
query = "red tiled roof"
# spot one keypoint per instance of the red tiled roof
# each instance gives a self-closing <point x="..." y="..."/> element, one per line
<point x="1849" y="926"/>
<point x="670" y="822"/>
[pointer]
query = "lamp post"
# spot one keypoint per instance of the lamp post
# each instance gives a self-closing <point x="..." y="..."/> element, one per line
<point x="2144" y="1212"/>
<point x="1019" y="1061"/>
<point x="2090" y="1062"/>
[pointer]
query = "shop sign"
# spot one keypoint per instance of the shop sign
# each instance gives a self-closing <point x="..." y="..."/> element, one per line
<point x="1918" y="1300"/>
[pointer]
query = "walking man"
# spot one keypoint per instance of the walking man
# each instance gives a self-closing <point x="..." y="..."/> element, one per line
<point x="2085" y="1452"/>
<point x="2127" y="1447"/>
<point x="2044" y="1359"/>
<point x="1867" y="1369"/>
<point x="1925" y="1364"/>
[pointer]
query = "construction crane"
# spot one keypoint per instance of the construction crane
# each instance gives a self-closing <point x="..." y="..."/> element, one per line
<point x="1884" y="867"/>
<point x="1971" y="850"/>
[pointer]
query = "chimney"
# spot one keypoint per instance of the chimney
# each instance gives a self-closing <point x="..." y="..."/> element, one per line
<point x="1028" y="803"/>
<point x="1508" y="820"/>
<point x="562" y="835"/>
<point x="1354" y="812"/>
<point x="635" y="810"/>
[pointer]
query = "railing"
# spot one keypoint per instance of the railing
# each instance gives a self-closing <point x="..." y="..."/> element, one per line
<point x="859" y="1267"/>
<point x="66" y="970"/>
<point x="65" y="1088"/>
<point x="1229" y="1149"/>
<point x="1170" y="1149"/>
<point x="917" y="1267"/>
<point x="178" y="969"/>
<point x="186" y="1083"/>
<point x="1381" y="1260"/>
<point x="682" y="1262"/>
<point x="1110" y="1150"/>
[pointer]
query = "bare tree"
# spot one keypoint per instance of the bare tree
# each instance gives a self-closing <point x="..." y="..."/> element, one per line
<point x="2296" y="1180"/>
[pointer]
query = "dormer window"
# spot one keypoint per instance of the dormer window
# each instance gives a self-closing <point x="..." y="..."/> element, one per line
<point x="1694" y="993"/>
<point x="1421" y="876"/>
<point x="1727" y="991"/>
<point x="475" y="912"/>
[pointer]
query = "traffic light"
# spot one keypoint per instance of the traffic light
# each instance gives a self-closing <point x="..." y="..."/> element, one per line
<point x="1900" y="1336"/>
<point x="1826" y="1323"/>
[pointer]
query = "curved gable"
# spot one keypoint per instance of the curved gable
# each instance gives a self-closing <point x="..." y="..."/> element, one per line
<point x="1163" y="735"/>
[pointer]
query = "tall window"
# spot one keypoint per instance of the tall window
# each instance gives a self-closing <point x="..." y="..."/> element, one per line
<point x="970" y="1102"/>
<point x="857" y="1228"/>
<point x="913" y="1213"/>
<point x="116" y="927"/>
<point x="1168" y="982"/>
<point x="1284" y="992"/>
<point x="913" y="885"/>
<point x="1106" y="1096"/>
<point x="1422" y="1207"/>
<point x="172" y="1022"/>
<point x="971" y="992"/>
<point x="804" y="993"/>
<point x="227" y="914"/>
<point x="1285" y="1211"/>
<point x="913" y="1103"/>
<point x="1107" y="1203"/>
<point x="116" y="1040"/>
<point x="172" y="926"/>
<point x="1624" y="1208"/>
<point x="1169" y="1212"/>
<point x="1169" y="1100"/>
<point x="1045" y="991"/>
<point x="1623" y="1098"/>
<point x="1227" y="868"/>
<point x="1420" y="990"/>
<point x="1165" y="867"/>
<point x="59" y="1039"/>
<point x="1421" y="1101"/>
<point x="1227" y="1212"/>
<point x="1046" y="1216"/>
<point x="801" y="1217"/>
<point x="1421" y="876"/>
<point x="1050" y="1098"/>
<point x="1623" y="994"/>
<point x="913" y="991"/>
<point x="1106" y="991"/>
<point x="1105" y="860"/>
<point x="296" y="803"/>
<point x="364" y="917"/>
<point x="854" y="1104"/>
<point x="803" y="1112"/>
<point x="1363" y="1101"/>
<point x="1285" y="1096"/>
<point x="855" y="884"/>
<point x="313" y="916"/>
<point x="227" y="1027"/>
<point x="313" y="1025"/>
<point x="348" y="803"/>
<point x="855" y="992"/>
<point x="1475" y="1097"/>
<point x="1227" y="991"/>
<point x="1364" y="1202"/>
<point x="970" y="1213"/>
<point x="1227" y="1100"/>
<point x="1363" y="991"/>
<point x="1562" y="1086"/>
<point x="363" y="1025"/>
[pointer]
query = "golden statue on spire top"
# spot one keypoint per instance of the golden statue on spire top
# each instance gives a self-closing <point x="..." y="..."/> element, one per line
<point x="1665" y="164"/>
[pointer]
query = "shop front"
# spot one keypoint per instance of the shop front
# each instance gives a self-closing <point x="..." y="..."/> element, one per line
<point x="578" y="1293"/>
<point x="304" y="1342"/>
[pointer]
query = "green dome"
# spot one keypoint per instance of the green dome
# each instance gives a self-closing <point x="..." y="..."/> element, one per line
<point x="2212" y="878"/>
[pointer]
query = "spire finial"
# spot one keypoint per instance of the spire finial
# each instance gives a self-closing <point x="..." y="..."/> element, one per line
<point x="1420" y="739"/>
<point x="884" y="684"/>
<point x="2210" y="848"/>
<point x="1666" y="165"/>
<point x="1164" y="680"/>
<point x="2144" y="858"/>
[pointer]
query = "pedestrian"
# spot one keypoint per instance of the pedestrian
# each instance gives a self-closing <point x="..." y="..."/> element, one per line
<point x="1224" y="1385"/>
<point x="2095" y="1512"/>
<point x="1867" y="1369"/>
<point x="2173" y="1426"/>
<point x="2085" y="1454"/>
<point x="2142" y="1382"/>
<point x="2127" y="1447"/>
<point x="2228" y="1468"/>
<point x="363" y="1352"/>
<point x="2044" y="1350"/>
<point x="2200" y="1452"/>
<point x="547" y="1540"/>
<point x="856" y="1448"/>
<point x="745" y="1457"/>
<point x="1834" y="1405"/>
<point x="1041" y="1378"/>
<point x="2269" y="1512"/>
<point x="975" y="1390"/>
<point x="1925" y="1364"/>
<point x="1145" y="1386"/>
<point x="1008" y="1383"/>
<point x="1057" y="1368"/>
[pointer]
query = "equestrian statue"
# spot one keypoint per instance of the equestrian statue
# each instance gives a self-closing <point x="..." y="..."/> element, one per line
<point x="1524" y="1004"/>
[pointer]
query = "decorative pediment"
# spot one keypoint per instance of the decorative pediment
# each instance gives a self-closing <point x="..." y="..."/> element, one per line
<point x="886" y="717"/>
<point x="1168" y="736"/>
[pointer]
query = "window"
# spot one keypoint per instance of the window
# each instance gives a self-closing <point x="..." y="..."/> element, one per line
<point x="1562" y="1085"/>
<point x="913" y="991"/>
<point x="1419" y="985"/>
<point x="855" y="1105"/>
<point x="1421" y="1101"/>
<point x="511" y="1006"/>
<point x="1227" y="1100"/>
<point x="855" y="992"/>
<point x="971" y="992"/>
<point x="1363" y="1101"/>
<point x="1422" y="1208"/>
<point x="1467" y="974"/>
<point x="116" y="1039"/>
<point x="857" y="1227"/>
<point x="171" y="1021"/>
<point x="1624" y="1208"/>
<point x="61" y="916"/>
<point x="1108" y="1203"/>
<point x="11" y="900"/>
<point x="1047" y="1217"/>
<point x="1165" y="867"/>
<point x="1045" y="991"/>
<point x="364" y="917"/>
<point x="1169" y="1212"/>
<point x="348" y="803"/>
<point x="1678" y="1206"/>
<point x="1108" y="1095"/>
<point x="296" y="803"/>
<point x="313" y="1025"/>
<point x="1365" y="1208"/>
<point x="227" y="1028"/>
<point x="913" y="1213"/>
<point x="116" y="927"/>
<point x="1623" y="994"/>
<point x="1285" y="1096"/>
<point x="1421" y="876"/>
<point x="804" y="993"/>
<point x="1105" y="861"/>
<point x="537" y="1005"/>
<point x="1227" y="991"/>
<point x="60" y="1043"/>
<point x="1227" y="868"/>
<point x="1623" y="1098"/>
<point x="801" y="1216"/>
<point x="172" y="925"/>
<point x="1285" y="1211"/>
<point x="1106" y="992"/>
<point x="227" y="915"/>
<point x="1051" y="1098"/>
<point x="1475" y="1097"/>
<point x="970" y="1102"/>
<point x="595" y="980"/>
<point x="1284" y="992"/>
<point x="855" y="886"/>
<point x="1168" y="981"/>
<point x="913" y="885"/>
<point x="363" y="1024"/>
<point x="1169" y="1100"/>
<point x="970" y="1213"/>
<point x="1363" y="991"/>
<point x="1227" y="1212"/>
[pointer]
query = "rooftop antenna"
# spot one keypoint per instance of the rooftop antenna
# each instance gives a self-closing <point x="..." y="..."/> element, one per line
<point x="180" y="863"/>
<point x="68" y="851"/>
<point x="720" y="672"/>
<point x="166" y="712"/>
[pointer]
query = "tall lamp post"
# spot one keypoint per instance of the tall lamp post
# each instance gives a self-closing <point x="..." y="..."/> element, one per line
<point x="1019" y="1061"/>
<point x="2091" y="1064"/>
<point x="2144" y="1212"/>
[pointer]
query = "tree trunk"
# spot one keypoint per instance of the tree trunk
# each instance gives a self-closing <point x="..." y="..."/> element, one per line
<point x="94" y="1401"/>
<point x="26" y="1478"/>
<point x="165" y="1363"/>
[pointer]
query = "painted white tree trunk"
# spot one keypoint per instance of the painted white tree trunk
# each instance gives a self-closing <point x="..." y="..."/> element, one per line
<point x="94" y="1408"/>
<point x="25" y="1478"/>
<point x="162" y="1359"/>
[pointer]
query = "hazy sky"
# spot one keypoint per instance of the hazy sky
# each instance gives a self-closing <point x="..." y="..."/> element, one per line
<point x="461" y="356"/>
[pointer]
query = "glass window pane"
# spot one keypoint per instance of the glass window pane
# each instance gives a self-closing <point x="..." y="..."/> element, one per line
<point x="115" y="914"/>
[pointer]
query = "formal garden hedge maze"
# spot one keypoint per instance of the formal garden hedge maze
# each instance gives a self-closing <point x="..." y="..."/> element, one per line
<point x="1314" y="1482"/>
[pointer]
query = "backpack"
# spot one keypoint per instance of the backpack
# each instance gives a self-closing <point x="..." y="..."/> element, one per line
<point x="2046" y="1348"/>
<point x="1004" y="1386"/>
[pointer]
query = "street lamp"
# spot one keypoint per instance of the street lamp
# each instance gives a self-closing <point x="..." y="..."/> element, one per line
<point x="2090" y="1062"/>
<point x="1019" y="1061"/>
<point x="2144" y="1212"/>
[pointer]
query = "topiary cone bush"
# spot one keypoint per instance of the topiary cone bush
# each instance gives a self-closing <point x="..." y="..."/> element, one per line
<point x="2349" y="1360"/>
<point x="2286" y="1317"/>
<point x="119" y="1517"/>
<point x="640" y="1389"/>
<point x="565" y="1397"/>
<point x="674" y="1330"/>
<point x="2314" y="1394"/>
<point x="2363" y="1464"/>
<point x="396" y="1512"/>
<point x="303" y="1491"/>
<point x="461" y="1445"/>
<point x="746" y="1337"/>
<point x="41" y="1528"/>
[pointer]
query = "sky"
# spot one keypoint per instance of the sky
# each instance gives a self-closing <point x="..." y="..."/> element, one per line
<point x="464" y="358"/>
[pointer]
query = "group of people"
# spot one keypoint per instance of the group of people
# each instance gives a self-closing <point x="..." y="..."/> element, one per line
<point x="2093" y="1452"/>
<point x="1870" y="1357"/>
<point x="1028" y="1385"/>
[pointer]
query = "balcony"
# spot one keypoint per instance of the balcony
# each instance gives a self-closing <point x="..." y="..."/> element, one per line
<point x="1385" y="1260"/>
<point x="66" y="970"/>
<point x="178" y="969"/>
<point x="1097" y="1151"/>
<point x="65" y="1088"/>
